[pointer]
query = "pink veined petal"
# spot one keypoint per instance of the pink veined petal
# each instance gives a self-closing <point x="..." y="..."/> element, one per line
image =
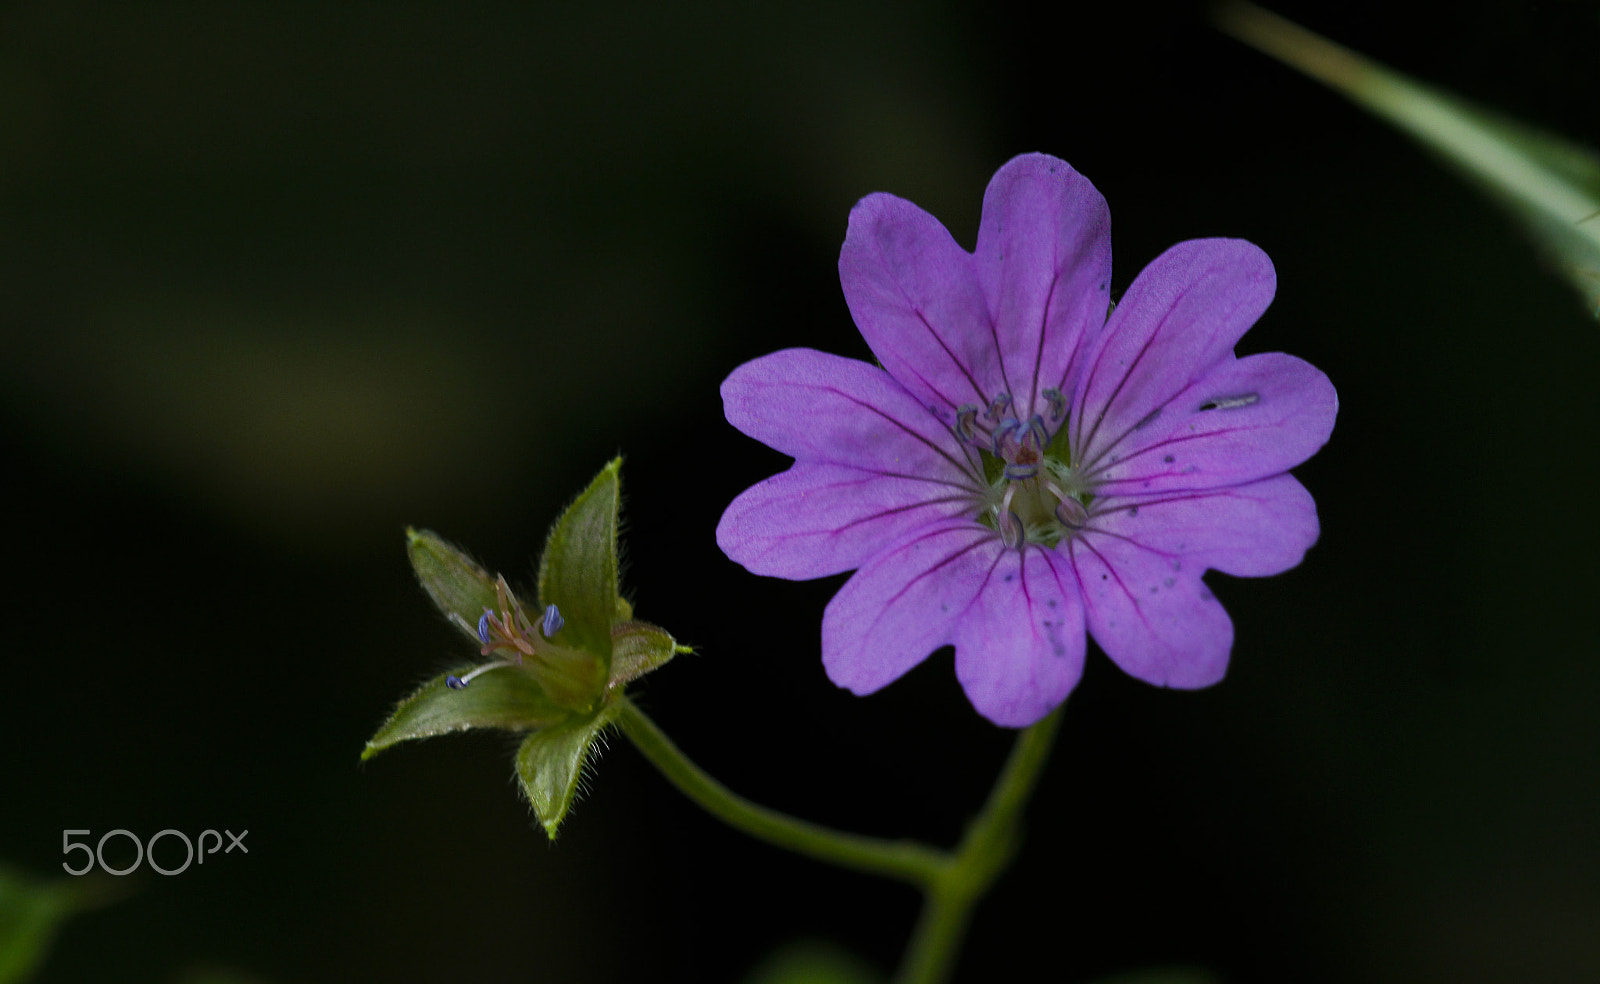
<point x="1020" y="646"/>
<point x="1245" y="419"/>
<point x="819" y="519"/>
<point x="905" y="602"/>
<point x="915" y="296"/>
<point x="1044" y="258"/>
<point x="1181" y="316"/>
<point x="1151" y="613"/>
<point x="814" y="406"/>
<point x="1250" y="530"/>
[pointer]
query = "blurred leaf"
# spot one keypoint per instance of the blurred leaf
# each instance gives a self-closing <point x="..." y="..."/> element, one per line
<point x="216" y="975"/>
<point x="1163" y="975"/>
<point x="578" y="571"/>
<point x="31" y="911"/>
<point x="550" y="765"/>
<point x="507" y="698"/>
<point x="813" y="962"/>
<point x="1551" y="185"/>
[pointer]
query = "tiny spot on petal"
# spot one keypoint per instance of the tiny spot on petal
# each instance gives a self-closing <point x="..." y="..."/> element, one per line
<point x="1231" y="402"/>
<point x="1169" y="582"/>
<point x="1009" y="578"/>
<point x="1169" y="459"/>
<point x="1133" y="511"/>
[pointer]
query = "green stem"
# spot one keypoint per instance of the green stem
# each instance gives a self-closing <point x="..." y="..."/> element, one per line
<point x="953" y="883"/>
<point x="905" y="860"/>
<point x="990" y="843"/>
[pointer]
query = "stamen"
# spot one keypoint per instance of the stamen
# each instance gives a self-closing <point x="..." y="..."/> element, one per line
<point x="1008" y="522"/>
<point x="1071" y="513"/>
<point x="999" y="405"/>
<point x="966" y="423"/>
<point x="460" y="682"/>
<point x="1037" y="431"/>
<point x="1011" y="529"/>
<point x="552" y="621"/>
<point x="483" y="626"/>
<point x="1005" y="430"/>
<point x="1058" y="403"/>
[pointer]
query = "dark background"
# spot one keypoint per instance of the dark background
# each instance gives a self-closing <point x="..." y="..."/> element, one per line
<point x="278" y="279"/>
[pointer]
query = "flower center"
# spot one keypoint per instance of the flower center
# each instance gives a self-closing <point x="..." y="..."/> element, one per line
<point x="1034" y="495"/>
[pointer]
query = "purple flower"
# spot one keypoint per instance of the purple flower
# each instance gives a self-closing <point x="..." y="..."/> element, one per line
<point x="1024" y="468"/>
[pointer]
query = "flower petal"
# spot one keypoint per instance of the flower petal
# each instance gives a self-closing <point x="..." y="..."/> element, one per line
<point x="1044" y="258"/>
<point x="1151" y="613"/>
<point x="1250" y="530"/>
<point x="819" y="519"/>
<point x="904" y="603"/>
<point x="1179" y="319"/>
<point x="1020" y="646"/>
<point x="915" y="297"/>
<point x="1244" y="420"/>
<point x="814" y="406"/>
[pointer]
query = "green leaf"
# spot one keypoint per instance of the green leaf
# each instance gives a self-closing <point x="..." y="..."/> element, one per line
<point x="460" y="588"/>
<point x="639" y="647"/>
<point x="550" y="763"/>
<point x="1551" y="185"/>
<point x="578" y="572"/>
<point x="32" y="910"/>
<point x="506" y="698"/>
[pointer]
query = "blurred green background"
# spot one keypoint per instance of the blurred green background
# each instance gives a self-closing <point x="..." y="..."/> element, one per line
<point x="278" y="279"/>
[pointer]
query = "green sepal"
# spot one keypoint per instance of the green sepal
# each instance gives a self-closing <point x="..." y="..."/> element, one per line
<point x="639" y="647"/>
<point x="1060" y="446"/>
<point x="507" y="698"/>
<point x="993" y="468"/>
<point x="578" y="572"/>
<point x="460" y="588"/>
<point x="550" y="764"/>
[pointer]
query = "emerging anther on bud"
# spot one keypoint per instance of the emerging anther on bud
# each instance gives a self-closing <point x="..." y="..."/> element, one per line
<point x="483" y="626"/>
<point x="552" y="621"/>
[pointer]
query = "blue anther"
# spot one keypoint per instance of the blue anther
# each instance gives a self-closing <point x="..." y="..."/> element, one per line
<point x="552" y="621"/>
<point x="1037" y="431"/>
<point x="454" y="682"/>
<point x="483" y="626"/>
<point x="1007" y="428"/>
<point x="1017" y="472"/>
<point x="1058" y="403"/>
<point x="966" y="422"/>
